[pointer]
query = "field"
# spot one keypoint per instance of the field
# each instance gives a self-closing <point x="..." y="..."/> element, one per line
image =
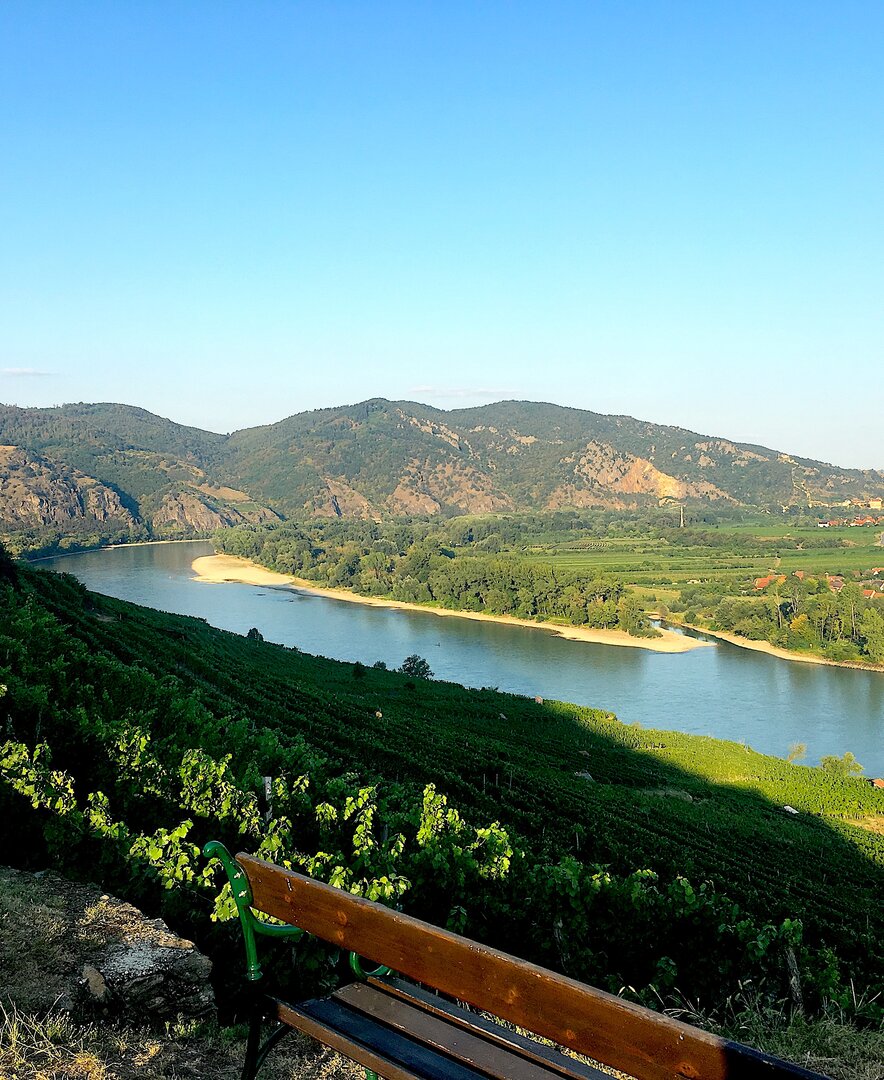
<point x="657" y="561"/>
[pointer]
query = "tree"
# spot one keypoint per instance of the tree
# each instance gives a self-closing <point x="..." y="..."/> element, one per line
<point x="841" y="766"/>
<point x="632" y="619"/>
<point x="416" y="667"/>
<point x="796" y="751"/>
<point x="873" y="632"/>
<point x="7" y="567"/>
<point x="255" y="634"/>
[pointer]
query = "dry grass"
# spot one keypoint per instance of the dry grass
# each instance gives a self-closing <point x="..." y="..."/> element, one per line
<point x="55" y="1048"/>
<point x="874" y="824"/>
<point x="823" y="1045"/>
<point x="830" y="1044"/>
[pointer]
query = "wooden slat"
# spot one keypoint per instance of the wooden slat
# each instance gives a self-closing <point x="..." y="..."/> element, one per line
<point x="587" y="1020"/>
<point x="499" y="1061"/>
<point x="374" y="1045"/>
<point x="547" y="1056"/>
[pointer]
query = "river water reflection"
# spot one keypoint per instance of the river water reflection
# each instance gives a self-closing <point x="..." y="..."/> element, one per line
<point x="727" y="692"/>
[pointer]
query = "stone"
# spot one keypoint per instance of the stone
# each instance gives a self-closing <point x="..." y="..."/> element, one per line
<point x="70" y="946"/>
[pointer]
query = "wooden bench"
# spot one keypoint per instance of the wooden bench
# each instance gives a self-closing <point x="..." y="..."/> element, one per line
<point x="401" y="1021"/>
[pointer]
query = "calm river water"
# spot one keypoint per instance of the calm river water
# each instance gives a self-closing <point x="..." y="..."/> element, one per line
<point x="725" y="691"/>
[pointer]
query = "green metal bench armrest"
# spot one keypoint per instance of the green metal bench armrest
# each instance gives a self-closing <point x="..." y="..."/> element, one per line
<point x="242" y="896"/>
<point x="363" y="975"/>
<point x="251" y="925"/>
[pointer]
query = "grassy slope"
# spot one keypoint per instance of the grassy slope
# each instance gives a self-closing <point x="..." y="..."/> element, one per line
<point x="506" y="757"/>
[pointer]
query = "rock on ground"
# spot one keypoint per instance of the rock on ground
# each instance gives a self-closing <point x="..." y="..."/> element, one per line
<point x="70" y="946"/>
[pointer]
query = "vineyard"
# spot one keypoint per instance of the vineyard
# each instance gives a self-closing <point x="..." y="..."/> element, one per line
<point x="630" y="858"/>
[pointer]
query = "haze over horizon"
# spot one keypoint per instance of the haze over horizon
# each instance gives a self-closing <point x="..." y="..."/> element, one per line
<point x="227" y="217"/>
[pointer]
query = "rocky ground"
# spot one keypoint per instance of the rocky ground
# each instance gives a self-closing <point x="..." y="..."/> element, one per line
<point x="92" y="989"/>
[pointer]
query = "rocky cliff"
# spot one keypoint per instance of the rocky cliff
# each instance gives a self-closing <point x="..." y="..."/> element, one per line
<point x="71" y="946"/>
<point x="35" y="492"/>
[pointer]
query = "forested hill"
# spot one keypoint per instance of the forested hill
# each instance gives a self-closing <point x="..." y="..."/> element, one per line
<point x="409" y="458"/>
<point x="382" y="458"/>
<point x="92" y="473"/>
<point x="618" y="855"/>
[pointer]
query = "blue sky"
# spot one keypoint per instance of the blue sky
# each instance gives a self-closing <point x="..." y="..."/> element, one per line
<point x="228" y="213"/>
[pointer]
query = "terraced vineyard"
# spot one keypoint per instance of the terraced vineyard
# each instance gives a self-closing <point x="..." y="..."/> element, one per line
<point x="653" y="848"/>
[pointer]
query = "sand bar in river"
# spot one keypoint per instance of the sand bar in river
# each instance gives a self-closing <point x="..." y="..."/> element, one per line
<point x="216" y="569"/>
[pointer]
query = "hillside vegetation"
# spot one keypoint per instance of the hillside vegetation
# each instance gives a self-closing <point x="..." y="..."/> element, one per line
<point x="379" y="459"/>
<point x="626" y="857"/>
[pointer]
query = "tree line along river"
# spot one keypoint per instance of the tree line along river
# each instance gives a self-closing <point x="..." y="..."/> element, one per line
<point x="726" y="692"/>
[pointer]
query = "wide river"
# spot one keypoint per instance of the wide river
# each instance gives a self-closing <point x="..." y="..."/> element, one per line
<point x="727" y="692"/>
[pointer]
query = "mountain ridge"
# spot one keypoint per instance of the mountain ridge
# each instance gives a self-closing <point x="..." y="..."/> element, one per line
<point x="379" y="457"/>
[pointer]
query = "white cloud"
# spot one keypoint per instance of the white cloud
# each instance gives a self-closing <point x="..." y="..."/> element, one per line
<point x="24" y="373"/>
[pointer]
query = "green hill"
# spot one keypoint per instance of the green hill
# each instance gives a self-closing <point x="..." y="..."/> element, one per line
<point x="382" y="458"/>
<point x="156" y="478"/>
<point x="408" y="458"/>
<point x="622" y="856"/>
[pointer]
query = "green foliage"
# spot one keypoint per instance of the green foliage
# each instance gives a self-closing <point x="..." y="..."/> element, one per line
<point x="131" y="737"/>
<point x="872" y="630"/>
<point x="551" y="567"/>
<point x="416" y="667"/>
<point x="411" y="563"/>
<point x="847" y="765"/>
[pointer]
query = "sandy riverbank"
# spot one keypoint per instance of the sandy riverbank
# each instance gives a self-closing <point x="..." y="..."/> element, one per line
<point x="784" y="654"/>
<point x="217" y="569"/>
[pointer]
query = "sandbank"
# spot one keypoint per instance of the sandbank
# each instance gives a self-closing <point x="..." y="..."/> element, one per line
<point x="216" y="569"/>
<point x="784" y="654"/>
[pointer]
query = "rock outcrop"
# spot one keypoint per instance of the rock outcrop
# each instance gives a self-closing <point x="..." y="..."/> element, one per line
<point x="189" y="511"/>
<point x="70" y="946"/>
<point x="35" y="493"/>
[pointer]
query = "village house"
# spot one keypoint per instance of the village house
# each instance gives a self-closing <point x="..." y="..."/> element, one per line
<point x="763" y="582"/>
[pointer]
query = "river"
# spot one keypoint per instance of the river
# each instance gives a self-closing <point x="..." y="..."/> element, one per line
<point x="726" y="692"/>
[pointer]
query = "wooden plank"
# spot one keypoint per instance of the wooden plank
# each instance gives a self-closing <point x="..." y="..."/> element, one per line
<point x="357" y="1036"/>
<point x="494" y="1058"/>
<point x="590" y="1021"/>
<point x="529" y="1048"/>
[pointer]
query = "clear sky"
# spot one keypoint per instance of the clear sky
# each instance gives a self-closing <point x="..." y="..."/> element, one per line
<point x="228" y="212"/>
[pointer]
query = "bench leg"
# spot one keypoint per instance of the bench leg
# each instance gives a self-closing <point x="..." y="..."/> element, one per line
<point x="256" y="1052"/>
<point x="253" y="1045"/>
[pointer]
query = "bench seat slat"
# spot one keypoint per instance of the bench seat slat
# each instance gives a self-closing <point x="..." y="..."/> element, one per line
<point x="547" y="1056"/>
<point x="389" y="1053"/>
<point x="495" y="1058"/>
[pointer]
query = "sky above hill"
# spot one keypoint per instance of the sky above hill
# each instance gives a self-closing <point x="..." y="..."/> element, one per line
<point x="229" y="213"/>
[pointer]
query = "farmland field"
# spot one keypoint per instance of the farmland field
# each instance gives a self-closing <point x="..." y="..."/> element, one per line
<point x="658" y="561"/>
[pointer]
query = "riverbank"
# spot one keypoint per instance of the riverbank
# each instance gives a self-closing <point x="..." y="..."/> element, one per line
<point x="217" y="569"/>
<point x="775" y="650"/>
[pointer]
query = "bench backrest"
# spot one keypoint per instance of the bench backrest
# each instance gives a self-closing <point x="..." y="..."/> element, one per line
<point x="589" y="1021"/>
